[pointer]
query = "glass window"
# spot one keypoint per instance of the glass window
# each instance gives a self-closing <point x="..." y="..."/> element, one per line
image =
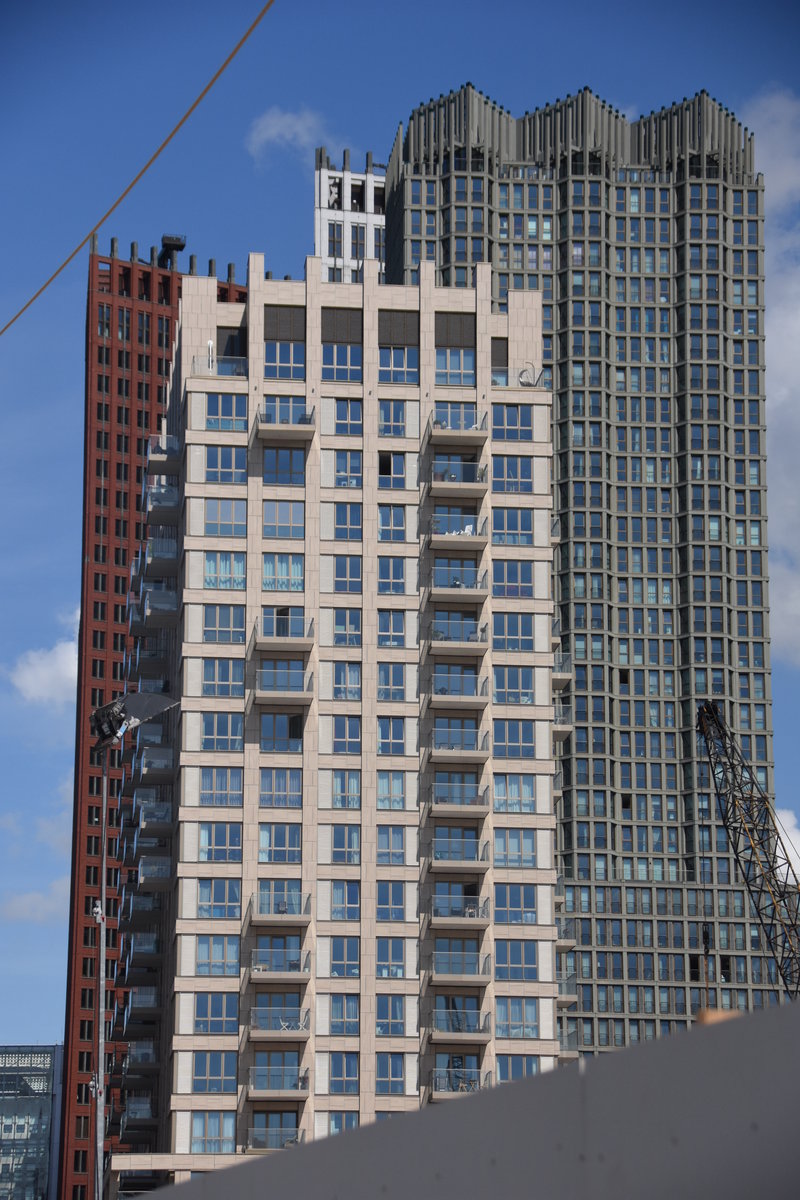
<point x="391" y="789"/>
<point x="284" y="465"/>
<point x="515" y="960"/>
<point x="347" y="627"/>
<point x="391" y="846"/>
<point x="223" y="731"/>
<point x="389" y="1073"/>
<point x="283" y="573"/>
<point x="279" y="843"/>
<point x="225" y="570"/>
<point x="220" y="841"/>
<point x="221" y="786"/>
<point x="216" y="1013"/>
<point x="343" y="1073"/>
<point x="223" y="677"/>
<point x="391" y="627"/>
<point x="226" y="464"/>
<point x="284" y="518"/>
<point x="282" y="732"/>
<point x="228" y="413"/>
<point x="281" y="787"/>
<point x="225" y="518"/>
<point x="346" y="735"/>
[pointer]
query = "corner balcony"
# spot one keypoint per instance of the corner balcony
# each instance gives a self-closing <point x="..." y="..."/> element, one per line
<point x="555" y="633"/>
<point x="456" y="637"/>
<point x="142" y="1010"/>
<point x="277" y="689"/>
<point x="457" y="691"/>
<point x="141" y="960"/>
<point x="164" y="454"/>
<point x="461" y="800"/>
<point x="567" y="1044"/>
<point x="465" y="532"/>
<point x="261" y="1141"/>
<point x="562" y="722"/>
<point x="279" y="1024"/>
<point x="266" y="909"/>
<point x="279" y="966"/>
<point x="141" y="1062"/>
<point x="455" y="424"/>
<point x="453" y="855"/>
<point x="555" y="531"/>
<point x="292" y="632"/>
<point x="455" y="746"/>
<point x="139" y="1121"/>
<point x="160" y="609"/>
<point x="151" y="812"/>
<point x="458" y="1081"/>
<point x="562" y="670"/>
<point x="277" y="1083"/>
<point x="455" y="479"/>
<point x="453" y="1025"/>
<point x="155" y="874"/>
<point x="462" y="583"/>
<point x="154" y="764"/>
<point x="161" y="503"/>
<point x="558" y="783"/>
<point x="139" y="910"/>
<point x="286" y="424"/>
<point x="149" y="658"/>
<point x="468" y="967"/>
<point x="464" y="913"/>
<point x="565" y="933"/>
<point x="209" y="365"/>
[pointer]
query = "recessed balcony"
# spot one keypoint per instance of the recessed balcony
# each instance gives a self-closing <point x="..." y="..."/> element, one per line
<point x="453" y="855"/>
<point x="277" y="1083"/>
<point x="278" y="632"/>
<point x="266" y="908"/>
<point x="461" y="531"/>
<point x="452" y="746"/>
<point x="458" y="1081"/>
<point x="461" y="800"/>
<point x="279" y="1024"/>
<point x="452" y="690"/>
<point x="459" y="582"/>
<point x="275" y="688"/>
<point x="454" y="478"/>
<point x="455" y="636"/>
<point x="286" y="422"/>
<point x="280" y="966"/>
<point x="460" y="967"/>
<point x="460" y="912"/>
<point x="457" y="1025"/>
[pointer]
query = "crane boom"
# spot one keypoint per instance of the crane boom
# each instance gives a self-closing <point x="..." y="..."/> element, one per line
<point x="760" y="853"/>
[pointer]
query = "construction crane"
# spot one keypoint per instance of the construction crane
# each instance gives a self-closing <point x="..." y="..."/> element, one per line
<point x="758" y="847"/>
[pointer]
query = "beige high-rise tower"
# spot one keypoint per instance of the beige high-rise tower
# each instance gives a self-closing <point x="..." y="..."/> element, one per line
<point x="340" y="846"/>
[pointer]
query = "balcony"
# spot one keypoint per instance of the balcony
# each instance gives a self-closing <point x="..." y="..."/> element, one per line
<point x="155" y="874"/>
<point x="292" y="632"/>
<point x="459" y="746"/>
<point x="263" y="1140"/>
<point x="138" y="1120"/>
<point x="565" y="932"/>
<point x="463" y="531"/>
<point x="567" y="1043"/>
<point x="149" y="658"/>
<point x="458" y="1025"/>
<point x="562" y="722"/>
<point x="280" y="966"/>
<point x="457" y="912"/>
<point x="555" y="633"/>
<point x="555" y="531"/>
<point x="279" y="1024"/>
<point x="567" y="988"/>
<point x="268" y="909"/>
<point x="458" y="854"/>
<point x="460" y="966"/>
<point x="162" y="503"/>
<point x="277" y="1083"/>
<point x="163" y="454"/>
<point x="459" y="800"/>
<point x="455" y="479"/>
<point x="558" y="783"/>
<point x="455" y="636"/>
<point x="142" y="1009"/>
<point x="277" y="688"/>
<point x="141" y="1061"/>
<point x="205" y="365"/>
<point x="455" y="424"/>
<point x="463" y="583"/>
<point x="152" y="814"/>
<point x="160" y="557"/>
<point x="454" y="691"/>
<point x="154" y="764"/>
<point x="139" y="910"/>
<point x="562" y="670"/>
<point x="286" y="423"/>
<point x="458" y="1081"/>
<point x="159" y="609"/>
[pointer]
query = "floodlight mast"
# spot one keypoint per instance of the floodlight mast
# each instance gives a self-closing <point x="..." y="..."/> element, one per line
<point x="108" y="725"/>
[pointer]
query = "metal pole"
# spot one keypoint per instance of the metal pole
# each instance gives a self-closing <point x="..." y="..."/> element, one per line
<point x="100" y="1066"/>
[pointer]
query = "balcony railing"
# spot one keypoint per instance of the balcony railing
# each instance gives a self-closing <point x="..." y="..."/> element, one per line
<point x="160" y="496"/>
<point x="278" y="1079"/>
<point x="283" y="414"/>
<point x="458" y="1021"/>
<point x="143" y="997"/>
<point x="465" y="576"/>
<point x="271" y="962"/>
<point x="454" y="416"/>
<point x="461" y="684"/>
<point x="273" y="1139"/>
<point x="155" y="870"/>
<point x="141" y="1054"/>
<point x="458" y="472"/>
<point x="467" y="794"/>
<point x="568" y="1040"/>
<point x="516" y="1029"/>
<point x="562" y="714"/>
<point x="567" y="983"/>
<point x="463" y="740"/>
<point x="280" y="1020"/>
<point x="459" y="1080"/>
<point x="469" y="908"/>
<point x="565" y="929"/>
<point x="291" y="680"/>
<point x="458" y="525"/>
<point x="163" y="444"/>
<point x="139" y="1108"/>
<point x="458" y="630"/>
<point x="293" y="626"/>
<point x="460" y="962"/>
<point x="293" y="904"/>
<point x="562" y="663"/>
<point x="209" y="364"/>
<point x="462" y="851"/>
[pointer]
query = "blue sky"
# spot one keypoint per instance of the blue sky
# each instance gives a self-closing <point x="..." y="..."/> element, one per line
<point x="239" y="177"/>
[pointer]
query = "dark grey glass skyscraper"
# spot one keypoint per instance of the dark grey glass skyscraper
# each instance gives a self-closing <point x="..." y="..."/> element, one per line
<point x="645" y="239"/>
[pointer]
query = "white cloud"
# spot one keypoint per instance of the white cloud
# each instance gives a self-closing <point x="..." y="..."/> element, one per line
<point x="38" y="907"/>
<point x="300" y="132"/>
<point x="49" y="675"/>
<point x="790" y="829"/>
<point x="774" y="116"/>
<point x="55" y="828"/>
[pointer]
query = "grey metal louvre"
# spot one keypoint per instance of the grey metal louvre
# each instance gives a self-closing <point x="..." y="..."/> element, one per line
<point x="398" y="328"/>
<point x="284" y="323"/>
<point x="342" y="325"/>
<point x="455" y="330"/>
